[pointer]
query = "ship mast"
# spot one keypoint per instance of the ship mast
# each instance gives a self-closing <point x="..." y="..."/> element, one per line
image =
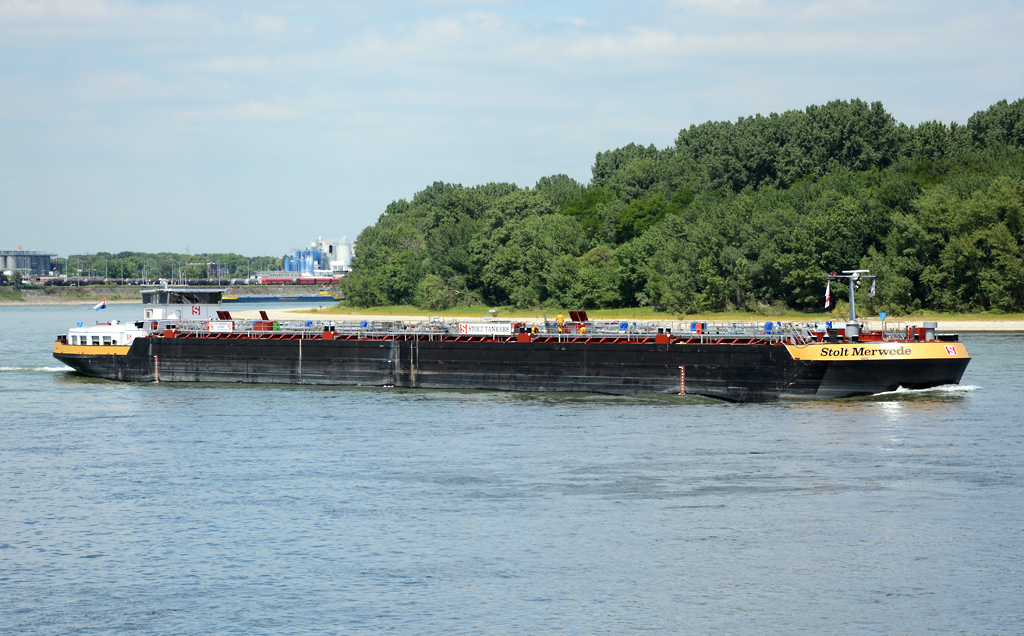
<point x="853" y="278"/>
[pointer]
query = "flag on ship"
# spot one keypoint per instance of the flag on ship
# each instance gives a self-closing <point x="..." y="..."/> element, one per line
<point x="871" y="294"/>
<point x="101" y="305"/>
<point x="828" y="293"/>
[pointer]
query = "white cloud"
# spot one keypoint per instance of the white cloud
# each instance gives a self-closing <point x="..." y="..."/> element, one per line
<point x="638" y="43"/>
<point x="59" y="10"/>
<point x="266" y="23"/>
<point x="847" y="9"/>
<point x="259" y="111"/>
<point x="251" y="111"/>
<point x="723" y="7"/>
<point x="89" y="11"/>
<point x="656" y="48"/>
<point x="113" y="86"/>
<point x="232" y="64"/>
<point x="36" y="23"/>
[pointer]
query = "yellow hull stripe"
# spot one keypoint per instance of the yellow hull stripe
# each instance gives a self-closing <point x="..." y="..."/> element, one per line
<point x="879" y="351"/>
<point x="91" y="350"/>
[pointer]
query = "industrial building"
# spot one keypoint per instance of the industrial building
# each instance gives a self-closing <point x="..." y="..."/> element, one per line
<point x="322" y="258"/>
<point x="30" y="263"/>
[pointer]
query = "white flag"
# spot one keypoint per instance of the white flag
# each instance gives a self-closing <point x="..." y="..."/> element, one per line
<point x="828" y="293"/>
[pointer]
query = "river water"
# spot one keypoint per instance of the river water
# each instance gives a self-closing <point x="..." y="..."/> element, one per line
<point x="162" y="508"/>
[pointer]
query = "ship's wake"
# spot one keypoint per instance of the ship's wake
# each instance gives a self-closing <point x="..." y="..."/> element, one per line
<point x="944" y="389"/>
<point x="35" y="369"/>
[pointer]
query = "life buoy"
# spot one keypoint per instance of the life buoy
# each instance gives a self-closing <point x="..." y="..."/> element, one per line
<point x="206" y="325"/>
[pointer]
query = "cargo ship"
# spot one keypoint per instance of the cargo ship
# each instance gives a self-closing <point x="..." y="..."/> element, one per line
<point x="186" y="336"/>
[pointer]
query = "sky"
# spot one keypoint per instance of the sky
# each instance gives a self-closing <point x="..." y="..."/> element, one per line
<point x="255" y="127"/>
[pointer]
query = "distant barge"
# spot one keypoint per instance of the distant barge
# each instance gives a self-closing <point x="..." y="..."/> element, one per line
<point x="186" y="336"/>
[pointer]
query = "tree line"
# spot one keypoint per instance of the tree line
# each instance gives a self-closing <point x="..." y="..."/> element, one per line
<point x="746" y="215"/>
<point x="137" y="265"/>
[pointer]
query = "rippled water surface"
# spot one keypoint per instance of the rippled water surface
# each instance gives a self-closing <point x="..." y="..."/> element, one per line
<point x="161" y="508"/>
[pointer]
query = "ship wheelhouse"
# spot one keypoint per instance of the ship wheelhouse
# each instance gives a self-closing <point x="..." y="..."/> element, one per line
<point x="181" y="304"/>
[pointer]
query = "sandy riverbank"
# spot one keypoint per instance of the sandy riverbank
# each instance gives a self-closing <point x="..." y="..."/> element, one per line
<point x="945" y="326"/>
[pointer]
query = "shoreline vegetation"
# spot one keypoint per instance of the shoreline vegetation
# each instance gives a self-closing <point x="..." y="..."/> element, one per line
<point x="731" y="217"/>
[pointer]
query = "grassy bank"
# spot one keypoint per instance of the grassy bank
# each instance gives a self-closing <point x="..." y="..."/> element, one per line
<point x="11" y="294"/>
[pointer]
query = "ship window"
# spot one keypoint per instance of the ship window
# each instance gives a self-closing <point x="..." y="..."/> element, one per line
<point x="195" y="298"/>
<point x="74" y="339"/>
<point x="106" y="340"/>
<point x="149" y="298"/>
<point x="95" y="340"/>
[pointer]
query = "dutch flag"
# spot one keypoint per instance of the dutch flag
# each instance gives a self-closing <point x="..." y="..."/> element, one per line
<point x="101" y="305"/>
<point x="828" y="294"/>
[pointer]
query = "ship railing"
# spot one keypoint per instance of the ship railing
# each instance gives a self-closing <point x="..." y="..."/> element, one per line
<point x="302" y="328"/>
<point x="708" y="332"/>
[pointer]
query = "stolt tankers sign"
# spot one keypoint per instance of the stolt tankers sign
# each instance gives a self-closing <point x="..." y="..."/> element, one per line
<point x="485" y="329"/>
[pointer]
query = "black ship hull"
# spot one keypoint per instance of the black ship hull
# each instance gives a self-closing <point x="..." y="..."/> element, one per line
<point x="735" y="372"/>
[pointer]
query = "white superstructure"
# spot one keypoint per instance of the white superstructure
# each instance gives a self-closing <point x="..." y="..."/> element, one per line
<point x="105" y="334"/>
<point x="180" y="303"/>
